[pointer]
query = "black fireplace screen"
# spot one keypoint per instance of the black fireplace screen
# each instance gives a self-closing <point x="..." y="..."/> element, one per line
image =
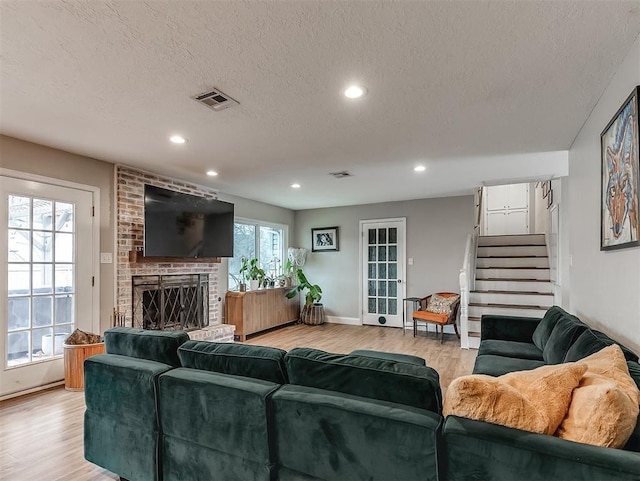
<point x="171" y="302"/>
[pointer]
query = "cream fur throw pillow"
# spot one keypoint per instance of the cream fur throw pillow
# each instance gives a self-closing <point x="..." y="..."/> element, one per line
<point x="535" y="400"/>
<point x="604" y="408"/>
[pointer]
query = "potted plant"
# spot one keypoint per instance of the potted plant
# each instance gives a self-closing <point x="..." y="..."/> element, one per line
<point x="312" y="311"/>
<point x="255" y="274"/>
<point x="244" y="267"/>
<point x="289" y="271"/>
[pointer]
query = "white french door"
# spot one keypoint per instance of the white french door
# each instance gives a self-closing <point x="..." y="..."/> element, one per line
<point x="46" y="243"/>
<point x="383" y="271"/>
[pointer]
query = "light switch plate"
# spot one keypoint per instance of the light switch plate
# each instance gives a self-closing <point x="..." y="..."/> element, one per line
<point x="106" y="258"/>
<point x="410" y="261"/>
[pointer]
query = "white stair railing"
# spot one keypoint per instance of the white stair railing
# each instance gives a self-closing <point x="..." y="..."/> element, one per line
<point x="467" y="283"/>
<point x="467" y="275"/>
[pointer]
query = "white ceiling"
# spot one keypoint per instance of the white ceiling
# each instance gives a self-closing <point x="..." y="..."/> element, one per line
<point x="459" y="86"/>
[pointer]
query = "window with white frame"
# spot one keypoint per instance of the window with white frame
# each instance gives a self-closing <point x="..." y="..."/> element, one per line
<point x="260" y="240"/>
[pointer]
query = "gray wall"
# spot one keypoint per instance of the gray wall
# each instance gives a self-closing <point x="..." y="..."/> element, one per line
<point x="436" y="235"/>
<point x="605" y="286"/>
<point x="37" y="159"/>
<point x="252" y="209"/>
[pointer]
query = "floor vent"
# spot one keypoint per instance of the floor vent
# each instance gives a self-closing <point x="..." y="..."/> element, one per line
<point x="215" y="99"/>
<point x="341" y="175"/>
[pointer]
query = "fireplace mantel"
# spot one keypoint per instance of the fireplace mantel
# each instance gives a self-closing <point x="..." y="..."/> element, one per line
<point x="138" y="257"/>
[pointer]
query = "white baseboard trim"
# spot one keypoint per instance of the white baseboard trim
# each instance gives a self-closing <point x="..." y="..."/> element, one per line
<point x="353" y="321"/>
<point x="32" y="390"/>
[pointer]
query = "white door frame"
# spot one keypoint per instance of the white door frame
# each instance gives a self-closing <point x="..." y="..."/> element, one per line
<point x="92" y="195"/>
<point x="402" y="291"/>
<point x="95" y="234"/>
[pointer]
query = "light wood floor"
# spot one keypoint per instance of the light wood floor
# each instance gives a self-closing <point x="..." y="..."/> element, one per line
<point x="41" y="434"/>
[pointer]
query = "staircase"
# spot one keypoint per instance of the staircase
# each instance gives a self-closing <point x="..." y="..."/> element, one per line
<point x="512" y="278"/>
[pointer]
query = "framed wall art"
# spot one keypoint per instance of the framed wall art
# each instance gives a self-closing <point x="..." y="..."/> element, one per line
<point x="324" y="239"/>
<point x="620" y="178"/>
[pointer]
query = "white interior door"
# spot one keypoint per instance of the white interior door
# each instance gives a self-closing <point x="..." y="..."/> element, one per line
<point x="47" y="250"/>
<point x="383" y="280"/>
<point x="507" y="209"/>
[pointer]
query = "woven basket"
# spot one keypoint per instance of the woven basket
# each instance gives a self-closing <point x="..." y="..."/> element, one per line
<point x="313" y="315"/>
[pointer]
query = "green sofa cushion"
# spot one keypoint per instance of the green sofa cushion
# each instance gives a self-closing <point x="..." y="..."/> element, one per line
<point x="330" y="436"/>
<point x="483" y="451"/>
<point x="634" y="371"/>
<point x="520" y="350"/>
<point x="126" y="449"/>
<point x="186" y="461"/>
<point x="223" y="413"/>
<point x="381" y="379"/>
<point x="590" y="342"/>
<point x="543" y="331"/>
<point x="498" y="365"/>
<point x="564" y="334"/>
<point x="122" y="387"/>
<point x="258" y="362"/>
<point x="121" y="420"/>
<point x="390" y="356"/>
<point x="160" y="346"/>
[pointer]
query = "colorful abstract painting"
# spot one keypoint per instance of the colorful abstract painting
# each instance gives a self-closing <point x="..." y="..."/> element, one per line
<point x="620" y="178"/>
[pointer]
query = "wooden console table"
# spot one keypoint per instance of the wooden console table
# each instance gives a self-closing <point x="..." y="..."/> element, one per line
<point x="259" y="310"/>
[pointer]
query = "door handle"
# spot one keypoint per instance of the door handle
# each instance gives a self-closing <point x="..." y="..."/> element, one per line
<point x="399" y="281"/>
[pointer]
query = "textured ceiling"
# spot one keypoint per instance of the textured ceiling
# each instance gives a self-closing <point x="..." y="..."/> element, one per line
<point x="450" y="84"/>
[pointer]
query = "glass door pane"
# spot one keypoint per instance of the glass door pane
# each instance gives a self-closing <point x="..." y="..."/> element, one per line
<point x="41" y="273"/>
<point x="382" y="266"/>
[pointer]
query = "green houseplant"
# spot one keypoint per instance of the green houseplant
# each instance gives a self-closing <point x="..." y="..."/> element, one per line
<point x="244" y="268"/>
<point x="312" y="311"/>
<point x="254" y="273"/>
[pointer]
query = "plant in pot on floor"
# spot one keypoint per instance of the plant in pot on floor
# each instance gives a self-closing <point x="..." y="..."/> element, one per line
<point x="312" y="311"/>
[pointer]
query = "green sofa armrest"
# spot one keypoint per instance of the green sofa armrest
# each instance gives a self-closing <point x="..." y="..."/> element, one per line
<point x="330" y="436"/>
<point x="508" y="328"/>
<point x="473" y="448"/>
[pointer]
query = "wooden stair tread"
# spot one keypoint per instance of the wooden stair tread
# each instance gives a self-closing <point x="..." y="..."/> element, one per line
<point x="510" y="306"/>
<point x="510" y="279"/>
<point x="514" y="292"/>
<point x="512" y="267"/>
<point x="512" y="245"/>
<point x="513" y="257"/>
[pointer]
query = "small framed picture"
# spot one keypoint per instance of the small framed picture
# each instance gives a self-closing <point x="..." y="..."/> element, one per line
<point x="324" y="239"/>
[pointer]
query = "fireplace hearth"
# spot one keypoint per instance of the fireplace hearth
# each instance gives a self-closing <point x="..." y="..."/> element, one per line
<point x="171" y="302"/>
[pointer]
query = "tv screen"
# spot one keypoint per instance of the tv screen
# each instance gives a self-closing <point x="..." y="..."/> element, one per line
<point x="183" y="225"/>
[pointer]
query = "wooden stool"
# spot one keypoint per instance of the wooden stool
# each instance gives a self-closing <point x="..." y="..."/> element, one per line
<point x="74" y="356"/>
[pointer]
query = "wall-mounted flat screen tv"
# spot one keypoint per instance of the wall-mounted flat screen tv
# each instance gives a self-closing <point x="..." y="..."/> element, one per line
<point x="184" y="225"/>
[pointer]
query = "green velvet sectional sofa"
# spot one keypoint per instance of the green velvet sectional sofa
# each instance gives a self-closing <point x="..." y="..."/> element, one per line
<point x="161" y="407"/>
<point x="478" y="450"/>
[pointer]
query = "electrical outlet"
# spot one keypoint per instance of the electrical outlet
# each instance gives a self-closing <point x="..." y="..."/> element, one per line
<point x="106" y="258"/>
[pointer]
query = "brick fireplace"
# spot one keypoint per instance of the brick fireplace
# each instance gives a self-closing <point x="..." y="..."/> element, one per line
<point x="130" y="238"/>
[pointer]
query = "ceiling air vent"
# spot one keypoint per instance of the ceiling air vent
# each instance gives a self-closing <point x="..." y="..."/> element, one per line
<point x="215" y="99"/>
<point x="341" y="175"/>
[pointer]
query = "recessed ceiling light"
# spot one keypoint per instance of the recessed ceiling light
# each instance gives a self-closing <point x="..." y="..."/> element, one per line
<point x="212" y="173"/>
<point x="178" y="139"/>
<point x="354" y="92"/>
<point x="295" y="186"/>
<point x="420" y="168"/>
